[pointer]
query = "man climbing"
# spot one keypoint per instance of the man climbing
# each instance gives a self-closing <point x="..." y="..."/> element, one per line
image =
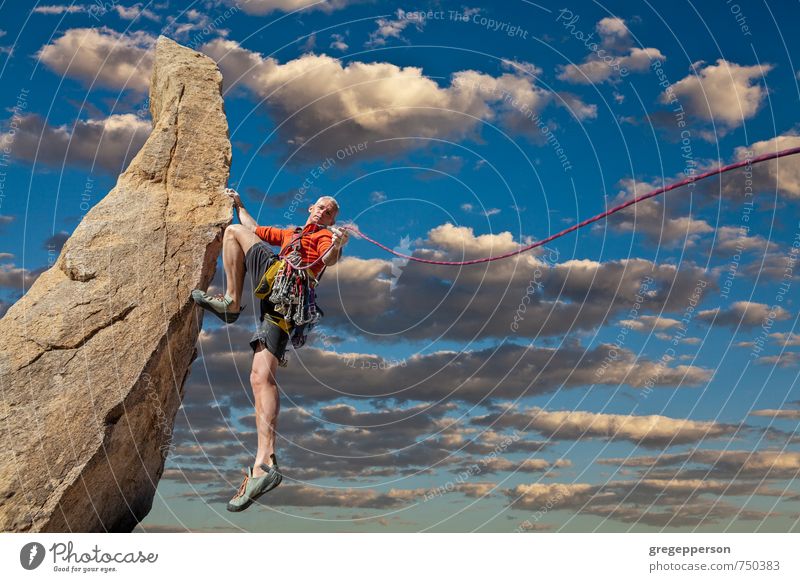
<point x="246" y="247"/>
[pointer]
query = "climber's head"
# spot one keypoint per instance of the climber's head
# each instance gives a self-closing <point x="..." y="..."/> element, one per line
<point x="323" y="211"/>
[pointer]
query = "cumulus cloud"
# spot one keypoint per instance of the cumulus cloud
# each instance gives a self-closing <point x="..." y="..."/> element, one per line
<point x="56" y="241"/>
<point x="569" y="295"/>
<point x="648" y="431"/>
<point x="500" y="464"/>
<point x="304" y="495"/>
<point x="660" y="220"/>
<point x="782" y="174"/>
<point x="319" y="496"/>
<point x="726" y="93"/>
<point x="782" y="360"/>
<point x="135" y="11"/>
<point x="615" y="54"/>
<point x="261" y="7"/>
<point x="58" y="9"/>
<point x="315" y="375"/>
<point x="477" y="490"/>
<point x="721" y="464"/>
<point x="392" y="28"/>
<point x="791" y="413"/>
<point x="744" y="314"/>
<point x="731" y="240"/>
<point x="338" y="43"/>
<point x="648" y="323"/>
<point x="323" y="105"/>
<point x="102" y="56"/>
<point x="17" y="278"/>
<point x="667" y="220"/>
<point x="656" y="502"/>
<point x="789" y="339"/>
<point x="108" y="143"/>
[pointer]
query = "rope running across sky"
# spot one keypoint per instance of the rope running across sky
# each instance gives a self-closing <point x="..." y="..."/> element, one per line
<point x="588" y="221"/>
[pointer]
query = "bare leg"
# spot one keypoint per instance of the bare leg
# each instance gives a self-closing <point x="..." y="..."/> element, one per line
<point x="235" y="244"/>
<point x="265" y="391"/>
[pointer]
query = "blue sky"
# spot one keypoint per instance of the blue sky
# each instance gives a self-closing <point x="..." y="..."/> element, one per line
<point x="648" y="381"/>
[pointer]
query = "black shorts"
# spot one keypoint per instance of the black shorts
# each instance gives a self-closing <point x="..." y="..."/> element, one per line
<point x="272" y="325"/>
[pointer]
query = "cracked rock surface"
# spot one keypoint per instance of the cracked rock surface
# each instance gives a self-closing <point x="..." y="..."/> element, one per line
<point x="94" y="357"/>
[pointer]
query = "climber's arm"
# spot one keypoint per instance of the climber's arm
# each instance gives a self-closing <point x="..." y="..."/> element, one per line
<point x="244" y="217"/>
<point x="338" y="241"/>
<point x="331" y="258"/>
<point x="247" y="221"/>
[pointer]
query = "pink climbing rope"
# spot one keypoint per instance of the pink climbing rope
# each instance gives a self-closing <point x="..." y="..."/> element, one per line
<point x="588" y="221"/>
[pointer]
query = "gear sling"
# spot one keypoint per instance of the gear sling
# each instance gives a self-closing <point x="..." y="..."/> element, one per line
<point x="292" y="290"/>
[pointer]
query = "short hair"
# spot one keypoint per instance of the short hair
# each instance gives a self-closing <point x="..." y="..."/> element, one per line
<point x="329" y="199"/>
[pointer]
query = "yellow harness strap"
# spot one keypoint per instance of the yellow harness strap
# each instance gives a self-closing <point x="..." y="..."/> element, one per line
<point x="267" y="279"/>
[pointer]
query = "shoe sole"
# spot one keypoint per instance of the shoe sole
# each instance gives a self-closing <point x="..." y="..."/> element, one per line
<point x="249" y="502"/>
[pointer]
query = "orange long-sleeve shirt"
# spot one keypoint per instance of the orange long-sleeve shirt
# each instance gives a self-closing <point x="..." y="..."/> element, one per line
<point x="316" y="240"/>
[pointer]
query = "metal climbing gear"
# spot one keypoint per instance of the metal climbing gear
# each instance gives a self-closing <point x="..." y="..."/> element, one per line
<point x="293" y="290"/>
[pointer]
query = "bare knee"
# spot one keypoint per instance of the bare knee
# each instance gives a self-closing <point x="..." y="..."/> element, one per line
<point x="243" y="236"/>
<point x="233" y="230"/>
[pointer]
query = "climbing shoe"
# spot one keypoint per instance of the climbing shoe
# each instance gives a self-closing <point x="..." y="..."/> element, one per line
<point x="254" y="487"/>
<point x="218" y="305"/>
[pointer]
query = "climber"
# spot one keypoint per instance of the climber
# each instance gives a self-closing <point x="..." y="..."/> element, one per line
<point x="246" y="247"/>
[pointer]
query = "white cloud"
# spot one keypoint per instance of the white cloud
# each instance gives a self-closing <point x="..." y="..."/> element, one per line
<point x="782" y="174"/>
<point x="649" y="431"/>
<point x="724" y="464"/>
<point x="653" y="219"/>
<point x="135" y="11"/>
<point x="613" y="56"/>
<point x="789" y="339"/>
<point x="744" y="314"/>
<point x="338" y="43"/>
<point x="108" y="143"/>
<point x="314" y="496"/>
<point x="467" y="376"/>
<point x="726" y="93"/>
<point x="521" y="66"/>
<point x="573" y="294"/>
<point x="732" y="240"/>
<point x="648" y="323"/>
<point x="782" y="360"/>
<point x="17" y="278"/>
<point x="261" y="7"/>
<point x="388" y="28"/>
<point x="102" y="56"/>
<point x="613" y="31"/>
<point x="323" y="104"/>
<point x="662" y="502"/>
<point x="59" y="9"/>
<point x="790" y="413"/>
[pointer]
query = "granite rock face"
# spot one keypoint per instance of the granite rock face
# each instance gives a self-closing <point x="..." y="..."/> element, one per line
<point x="94" y="357"/>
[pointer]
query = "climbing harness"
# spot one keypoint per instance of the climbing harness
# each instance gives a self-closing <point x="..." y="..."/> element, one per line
<point x="291" y="288"/>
